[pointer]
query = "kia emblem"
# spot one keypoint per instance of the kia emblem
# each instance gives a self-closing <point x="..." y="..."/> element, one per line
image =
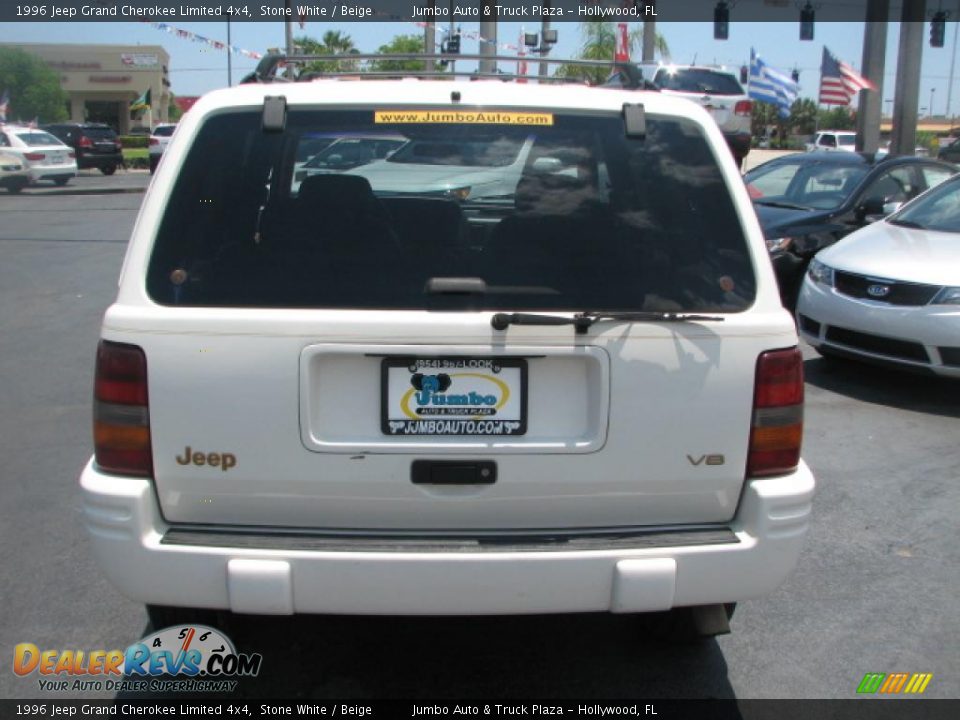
<point x="878" y="291"/>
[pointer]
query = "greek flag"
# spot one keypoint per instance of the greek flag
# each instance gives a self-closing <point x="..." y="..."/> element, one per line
<point x="770" y="85"/>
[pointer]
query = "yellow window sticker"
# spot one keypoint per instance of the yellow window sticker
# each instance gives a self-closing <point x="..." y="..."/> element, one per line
<point x="461" y="117"/>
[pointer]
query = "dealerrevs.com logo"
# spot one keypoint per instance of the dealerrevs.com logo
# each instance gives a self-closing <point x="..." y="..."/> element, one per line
<point x="186" y="658"/>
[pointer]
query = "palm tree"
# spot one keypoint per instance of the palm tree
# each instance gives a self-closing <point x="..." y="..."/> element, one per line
<point x="333" y="42"/>
<point x="600" y="43"/>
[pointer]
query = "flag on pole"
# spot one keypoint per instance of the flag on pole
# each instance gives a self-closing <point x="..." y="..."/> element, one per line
<point x="622" y="52"/>
<point x="4" y="104"/>
<point x="769" y="85"/>
<point x="839" y="82"/>
<point x="141" y="102"/>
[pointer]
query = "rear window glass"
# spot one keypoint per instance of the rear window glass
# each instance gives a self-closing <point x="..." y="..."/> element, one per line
<point x="34" y="139"/>
<point x="568" y="216"/>
<point x="696" y="80"/>
<point x="99" y="133"/>
<point x="164" y="131"/>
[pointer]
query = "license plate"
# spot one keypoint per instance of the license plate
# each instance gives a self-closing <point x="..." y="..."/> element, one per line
<point x="471" y="396"/>
<point x="54" y="159"/>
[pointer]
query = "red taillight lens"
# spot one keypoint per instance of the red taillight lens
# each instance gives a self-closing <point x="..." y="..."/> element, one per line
<point x="744" y="108"/>
<point x="33" y="156"/>
<point x="154" y="141"/>
<point x="121" y="417"/>
<point x="777" y="429"/>
<point x="85" y="142"/>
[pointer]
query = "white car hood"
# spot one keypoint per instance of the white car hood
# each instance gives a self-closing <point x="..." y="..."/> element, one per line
<point x="402" y="177"/>
<point x="891" y="252"/>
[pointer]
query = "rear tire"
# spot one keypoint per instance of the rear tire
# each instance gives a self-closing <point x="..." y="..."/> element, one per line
<point x="61" y="181"/>
<point x="15" y="188"/>
<point x="108" y="169"/>
<point x="679" y="625"/>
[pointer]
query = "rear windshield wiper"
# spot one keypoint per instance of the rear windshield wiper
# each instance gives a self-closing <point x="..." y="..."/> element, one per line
<point x="583" y="320"/>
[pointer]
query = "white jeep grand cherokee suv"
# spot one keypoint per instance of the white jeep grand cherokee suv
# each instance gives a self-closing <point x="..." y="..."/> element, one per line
<point x="582" y="394"/>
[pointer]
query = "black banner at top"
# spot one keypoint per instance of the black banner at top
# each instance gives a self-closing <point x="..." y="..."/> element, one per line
<point x="338" y="11"/>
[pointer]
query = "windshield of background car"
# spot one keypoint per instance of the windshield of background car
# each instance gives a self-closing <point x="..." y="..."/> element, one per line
<point x="100" y="133"/>
<point x="164" y="130"/>
<point x="346" y="153"/>
<point x="939" y="210"/>
<point x="584" y="219"/>
<point x="807" y="185"/>
<point x="696" y="80"/>
<point x="37" y="139"/>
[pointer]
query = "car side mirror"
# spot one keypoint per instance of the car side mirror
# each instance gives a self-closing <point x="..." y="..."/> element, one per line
<point x="870" y="206"/>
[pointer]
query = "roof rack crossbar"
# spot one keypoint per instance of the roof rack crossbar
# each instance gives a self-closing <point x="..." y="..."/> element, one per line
<point x="269" y="66"/>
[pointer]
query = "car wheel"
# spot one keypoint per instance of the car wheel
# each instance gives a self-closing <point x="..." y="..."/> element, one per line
<point x="108" y="169"/>
<point x="680" y="625"/>
<point x="14" y="188"/>
<point x="153" y="163"/>
<point x="163" y="616"/>
<point x="61" y="181"/>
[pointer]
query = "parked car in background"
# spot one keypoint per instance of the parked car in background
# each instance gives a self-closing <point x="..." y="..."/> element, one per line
<point x="950" y="153"/>
<point x="139" y="130"/>
<point x="159" y="139"/>
<point x="890" y="293"/>
<point x="44" y="155"/>
<point x="716" y="89"/>
<point x="808" y="201"/>
<point x="833" y="140"/>
<point x="14" y="176"/>
<point x="346" y="153"/>
<point x="96" y="145"/>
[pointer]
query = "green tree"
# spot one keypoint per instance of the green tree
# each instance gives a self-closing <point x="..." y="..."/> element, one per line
<point x="34" y="88"/>
<point x="600" y="43"/>
<point x="333" y="42"/>
<point x="838" y="118"/>
<point x="763" y="115"/>
<point x="400" y="44"/>
<point x="803" y="116"/>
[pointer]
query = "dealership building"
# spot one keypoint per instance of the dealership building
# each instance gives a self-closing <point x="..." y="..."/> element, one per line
<point x="102" y="80"/>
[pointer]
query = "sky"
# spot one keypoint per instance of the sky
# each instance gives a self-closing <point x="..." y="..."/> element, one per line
<point x="196" y="68"/>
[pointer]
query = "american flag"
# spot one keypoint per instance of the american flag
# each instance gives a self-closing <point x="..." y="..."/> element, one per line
<point x="839" y="82"/>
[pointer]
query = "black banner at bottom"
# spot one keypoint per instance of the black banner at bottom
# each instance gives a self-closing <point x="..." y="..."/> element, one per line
<point x="855" y="709"/>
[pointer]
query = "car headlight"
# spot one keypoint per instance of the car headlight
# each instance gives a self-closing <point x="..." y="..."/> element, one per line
<point x="820" y="273"/>
<point x="778" y="244"/>
<point x="460" y="193"/>
<point x="947" y="296"/>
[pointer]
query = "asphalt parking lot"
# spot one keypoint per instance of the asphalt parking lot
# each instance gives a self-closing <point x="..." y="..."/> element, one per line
<point x="876" y="589"/>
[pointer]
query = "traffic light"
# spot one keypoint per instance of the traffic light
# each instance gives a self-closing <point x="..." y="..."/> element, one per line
<point x="721" y="21"/>
<point x="795" y="75"/>
<point x="938" y="29"/>
<point x="744" y="74"/>
<point x="453" y="44"/>
<point x="806" y="22"/>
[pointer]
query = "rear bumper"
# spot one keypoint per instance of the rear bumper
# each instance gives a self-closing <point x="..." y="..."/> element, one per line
<point x="49" y="172"/>
<point x="99" y="160"/>
<point x="148" y="562"/>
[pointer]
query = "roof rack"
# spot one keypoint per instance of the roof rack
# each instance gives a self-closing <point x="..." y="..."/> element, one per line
<point x="631" y="76"/>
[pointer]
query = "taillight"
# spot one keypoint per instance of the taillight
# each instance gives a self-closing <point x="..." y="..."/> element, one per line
<point x="33" y="156"/>
<point x="744" y="108"/>
<point x="121" y="416"/>
<point x="154" y="141"/>
<point x="85" y="142"/>
<point x="777" y="428"/>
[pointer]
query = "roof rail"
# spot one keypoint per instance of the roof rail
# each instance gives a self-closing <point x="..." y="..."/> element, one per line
<point x="631" y="76"/>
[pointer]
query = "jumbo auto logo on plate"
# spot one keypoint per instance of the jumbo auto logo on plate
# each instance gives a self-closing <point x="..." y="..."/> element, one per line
<point x="454" y="396"/>
<point x="182" y="658"/>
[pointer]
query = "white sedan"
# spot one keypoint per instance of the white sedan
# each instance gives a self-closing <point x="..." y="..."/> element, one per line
<point x="42" y="154"/>
<point x="890" y="292"/>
